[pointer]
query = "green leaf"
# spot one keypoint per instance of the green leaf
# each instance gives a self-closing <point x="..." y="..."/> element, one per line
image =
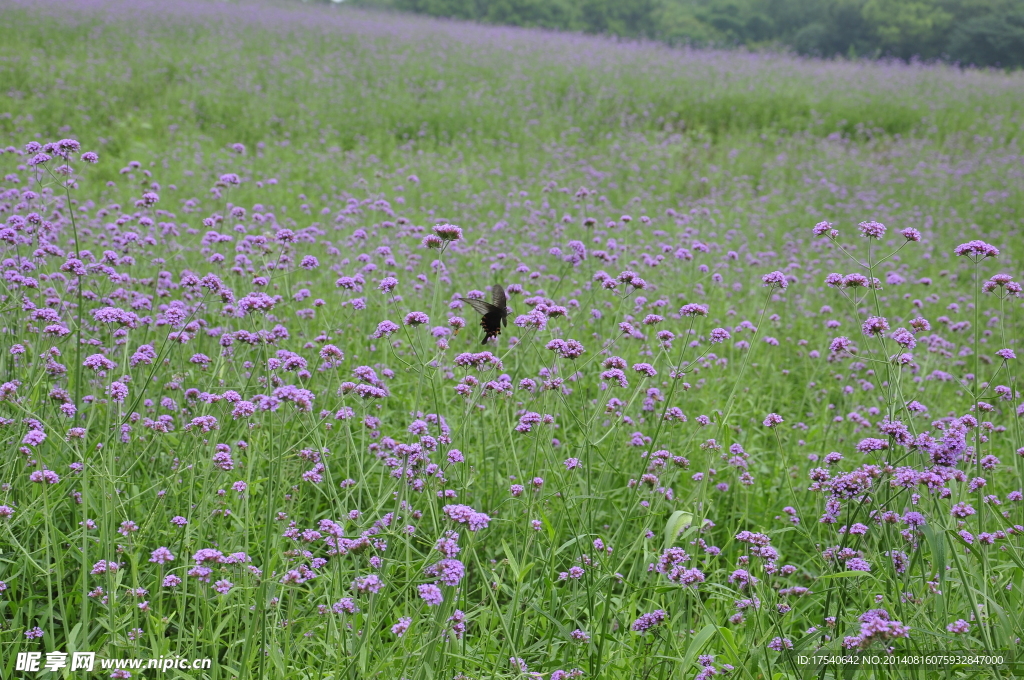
<point x="698" y="642"/>
<point x="519" y="570"/>
<point x="732" y="652"/>
<point x="676" y="521"/>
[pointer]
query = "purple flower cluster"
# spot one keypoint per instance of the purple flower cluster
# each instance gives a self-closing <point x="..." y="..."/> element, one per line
<point x="646" y="622"/>
<point x="876" y="626"/>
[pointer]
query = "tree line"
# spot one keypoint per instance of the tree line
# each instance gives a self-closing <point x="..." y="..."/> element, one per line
<point x="968" y="32"/>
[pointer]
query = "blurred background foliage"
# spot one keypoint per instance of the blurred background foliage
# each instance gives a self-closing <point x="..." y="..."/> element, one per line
<point x="969" y="32"/>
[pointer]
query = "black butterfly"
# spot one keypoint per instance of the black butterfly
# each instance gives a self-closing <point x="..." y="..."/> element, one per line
<point x="495" y="313"/>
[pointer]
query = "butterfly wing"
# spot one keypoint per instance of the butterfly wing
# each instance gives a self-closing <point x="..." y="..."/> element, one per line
<point x="491" y="323"/>
<point x="498" y="298"/>
<point x="491" y="315"/>
<point x="480" y="306"/>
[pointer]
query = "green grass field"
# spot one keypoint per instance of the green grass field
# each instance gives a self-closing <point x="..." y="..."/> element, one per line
<point x="217" y="449"/>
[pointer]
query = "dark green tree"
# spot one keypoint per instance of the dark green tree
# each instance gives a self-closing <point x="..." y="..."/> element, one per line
<point x="979" y="32"/>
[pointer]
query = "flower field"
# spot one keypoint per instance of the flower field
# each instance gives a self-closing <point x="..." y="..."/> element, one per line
<point x="755" y="398"/>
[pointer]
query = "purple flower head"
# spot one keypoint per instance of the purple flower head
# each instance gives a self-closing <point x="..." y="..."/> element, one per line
<point x="567" y="349"/>
<point x="775" y="278"/>
<point x="65" y="147"/>
<point x="840" y="344"/>
<point x="44" y="477"/>
<point x="449" y="571"/>
<point x="959" y="627"/>
<point x="719" y="335"/>
<point x="742" y="579"/>
<point x="575" y="572"/>
<point x="416" y="319"/>
<point x="645" y="622"/>
<point x="645" y="369"/>
<point x="431" y="594"/>
<point x="258" y="302"/>
<point x="384" y="328"/>
<point x="400" y="628"/>
<point x="345" y="605"/>
<point x="875" y="230"/>
<point x="856" y="281"/>
<point x="822" y="229"/>
<point x="118" y="392"/>
<point x="535" y="320"/>
<point x="876" y="625"/>
<point x="117" y="316"/>
<point x="367" y="584"/>
<point x="243" y="409"/>
<point x="98" y="362"/>
<point x="693" y="309"/>
<point x="976" y="250"/>
<point x="579" y="635"/>
<point x="448" y="232"/>
<point x="962" y="510"/>
<point x="870" y="444"/>
<point x="463" y="514"/>
<point x="904" y="337"/>
<point x="103" y="566"/>
<point x="331" y="353"/>
<point x="34" y="437"/>
<point x="874" y="325"/>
